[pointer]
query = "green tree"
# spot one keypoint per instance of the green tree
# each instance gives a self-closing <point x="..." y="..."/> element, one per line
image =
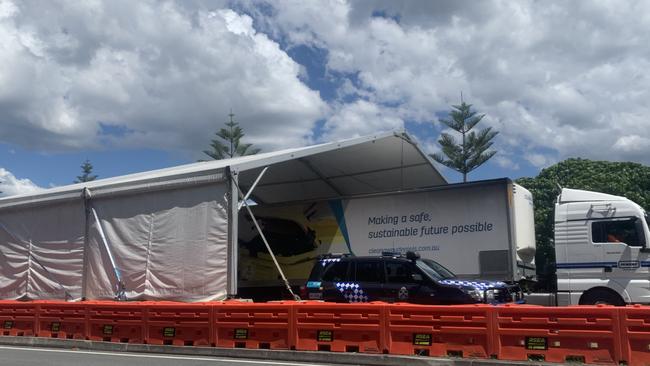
<point x="228" y="144"/>
<point x="472" y="151"/>
<point x="86" y="173"/>
<point x="626" y="179"/>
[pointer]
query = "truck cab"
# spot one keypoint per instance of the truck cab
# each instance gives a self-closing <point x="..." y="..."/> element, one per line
<point x="602" y="250"/>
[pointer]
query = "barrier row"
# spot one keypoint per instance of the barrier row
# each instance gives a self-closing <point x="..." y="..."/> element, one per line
<point x="587" y="334"/>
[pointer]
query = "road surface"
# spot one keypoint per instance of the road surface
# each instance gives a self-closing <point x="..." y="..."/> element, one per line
<point x="19" y="356"/>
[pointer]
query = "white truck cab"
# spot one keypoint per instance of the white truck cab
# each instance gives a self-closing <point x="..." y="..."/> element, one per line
<point x="602" y="249"/>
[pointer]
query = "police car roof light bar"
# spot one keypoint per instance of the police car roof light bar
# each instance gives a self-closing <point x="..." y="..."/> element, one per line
<point x="335" y="255"/>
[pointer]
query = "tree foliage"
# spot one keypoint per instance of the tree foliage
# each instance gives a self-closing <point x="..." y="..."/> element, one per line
<point x="86" y="173"/>
<point x="626" y="179"/>
<point x="228" y="144"/>
<point x="473" y="149"/>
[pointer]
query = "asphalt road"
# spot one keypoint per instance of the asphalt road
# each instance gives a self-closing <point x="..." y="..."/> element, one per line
<point x="23" y="356"/>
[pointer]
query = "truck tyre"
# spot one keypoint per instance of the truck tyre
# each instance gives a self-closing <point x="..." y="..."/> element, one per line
<point x="601" y="296"/>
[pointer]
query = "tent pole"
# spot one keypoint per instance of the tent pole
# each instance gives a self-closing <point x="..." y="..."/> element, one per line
<point x="250" y="190"/>
<point x="233" y="234"/>
<point x="84" y="271"/>
<point x="268" y="247"/>
<point x="120" y="291"/>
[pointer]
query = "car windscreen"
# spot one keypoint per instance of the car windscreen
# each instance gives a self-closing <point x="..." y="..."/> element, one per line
<point x="434" y="269"/>
<point x="336" y="272"/>
<point x="329" y="270"/>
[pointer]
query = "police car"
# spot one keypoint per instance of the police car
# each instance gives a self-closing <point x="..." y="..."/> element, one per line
<point x="393" y="277"/>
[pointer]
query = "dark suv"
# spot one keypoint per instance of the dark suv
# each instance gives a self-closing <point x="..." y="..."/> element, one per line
<point x="397" y="278"/>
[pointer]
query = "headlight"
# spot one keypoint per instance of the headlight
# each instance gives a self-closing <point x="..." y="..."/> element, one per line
<point x="474" y="294"/>
<point x="491" y="295"/>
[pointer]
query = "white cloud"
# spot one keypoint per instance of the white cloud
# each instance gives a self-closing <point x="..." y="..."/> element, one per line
<point x="569" y="78"/>
<point x="557" y="79"/>
<point x="506" y="162"/>
<point x="538" y="160"/>
<point x="10" y="185"/>
<point x="358" y="119"/>
<point x="631" y="143"/>
<point x="163" y="75"/>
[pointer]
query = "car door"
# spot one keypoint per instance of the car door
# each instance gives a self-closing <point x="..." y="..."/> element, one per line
<point x="368" y="281"/>
<point x="334" y="277"/>
<point x="401" y="284"/>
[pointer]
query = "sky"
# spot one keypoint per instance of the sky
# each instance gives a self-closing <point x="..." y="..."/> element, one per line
<point x="135" y="86"/>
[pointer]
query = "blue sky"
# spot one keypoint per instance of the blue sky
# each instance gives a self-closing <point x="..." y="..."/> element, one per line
<point x="144" y="86"/>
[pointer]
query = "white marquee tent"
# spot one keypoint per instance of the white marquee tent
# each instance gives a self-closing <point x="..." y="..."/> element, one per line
<point x="171" y="234"/>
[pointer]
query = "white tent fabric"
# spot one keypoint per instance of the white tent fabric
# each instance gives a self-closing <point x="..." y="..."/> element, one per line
<point x="168" y="245"/>
<point x="173" y="232"/>
<point x="42" y="252"/>
<point x="170" y="242"/>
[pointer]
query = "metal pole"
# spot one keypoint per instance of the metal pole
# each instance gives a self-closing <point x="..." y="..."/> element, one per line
<point x="120" y="290"/>
<point x="233" y="233"/>
<point x="259" y="177"/>
<point x="268" y="247"/>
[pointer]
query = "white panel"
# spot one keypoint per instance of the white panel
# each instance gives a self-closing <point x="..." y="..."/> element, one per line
<point x="42" y="252"/>
<point x="435" y="223"/>
<point x="14" y="262"/>
<point x="524" y="218"/>
<point x="168" y="245"/>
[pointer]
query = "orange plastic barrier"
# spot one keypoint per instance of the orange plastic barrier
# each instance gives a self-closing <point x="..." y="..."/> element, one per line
<point x="587" y="334"/>
<point x="456" y="331"/>
<point x="339" y="327"/>
<point x="180" y="324"/>
<point x="112" y="321"/>
<point x="635" y="326"/>
<point x="58" y="319"/>
<point x="18" y="318"/>
<point x="250" y="325"/>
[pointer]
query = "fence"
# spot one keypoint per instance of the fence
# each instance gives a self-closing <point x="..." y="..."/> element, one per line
<point x="586" y="334"/>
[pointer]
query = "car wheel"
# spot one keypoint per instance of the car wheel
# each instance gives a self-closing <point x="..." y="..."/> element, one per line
<point x="601" y="296"/>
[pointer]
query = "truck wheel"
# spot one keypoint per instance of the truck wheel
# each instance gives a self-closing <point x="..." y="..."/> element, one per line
<point x="601" y="296"/>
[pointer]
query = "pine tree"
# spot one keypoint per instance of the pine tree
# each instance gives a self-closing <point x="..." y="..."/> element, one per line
<point x="86" y="170"/>
<point x="229" y="143"/>
<point x="472" y="151"/>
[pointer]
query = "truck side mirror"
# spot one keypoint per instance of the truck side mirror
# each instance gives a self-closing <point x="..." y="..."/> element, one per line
<point x="417" y="277"/>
